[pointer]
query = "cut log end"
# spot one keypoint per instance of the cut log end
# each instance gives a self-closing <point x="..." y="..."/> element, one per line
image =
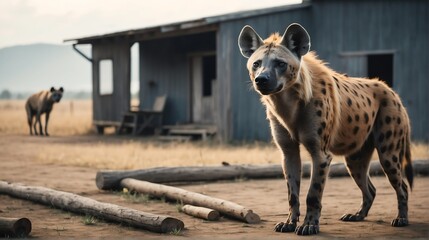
<point x="99" y="180"/>
<point x="15" y="227"/>
<point x="22" y="227"/>
<point x="252" y="218"/>
<point x="171" y="225"/>
<point x="106" y="182"/>
<point x="213" y="216"/>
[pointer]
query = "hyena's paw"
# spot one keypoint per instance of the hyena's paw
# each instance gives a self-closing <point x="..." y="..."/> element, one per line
<point x="400" y="222"/>
<point x="307" y="229"/>
<point x="352" y="218"/>
<point x="285" y="227"/>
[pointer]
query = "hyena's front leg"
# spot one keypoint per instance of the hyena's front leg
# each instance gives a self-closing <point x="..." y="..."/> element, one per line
<point x="292" y="172"/>
<point x="46" y="123"/>
<point x="320" y="168"/>
<point x="38" y="117"/>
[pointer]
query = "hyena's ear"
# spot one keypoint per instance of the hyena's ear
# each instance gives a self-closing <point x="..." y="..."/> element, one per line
<point x="249" y="41"/>
<point x="296" y="39"/>
<point x="52" y="89"/>
<point x="61" y="89"/>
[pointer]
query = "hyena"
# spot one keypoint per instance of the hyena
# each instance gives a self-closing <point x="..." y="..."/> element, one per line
<point x="40" y="103"/>
<point x="329" y="113"/>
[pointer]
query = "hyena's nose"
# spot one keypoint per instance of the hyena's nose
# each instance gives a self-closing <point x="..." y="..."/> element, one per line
<point x="262" y="79"/>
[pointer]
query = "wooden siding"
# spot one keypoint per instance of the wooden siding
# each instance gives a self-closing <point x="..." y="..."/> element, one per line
<point x="245" y="117"/>
<point x="111" y="107"/>
<point x="165" y="69"/>
<point x="354" y="26"/>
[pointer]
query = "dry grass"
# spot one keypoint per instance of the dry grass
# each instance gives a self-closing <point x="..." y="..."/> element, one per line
<point x="145" y="154"/>
<point x="130" y="154"/>
<point x="113" y="152"/>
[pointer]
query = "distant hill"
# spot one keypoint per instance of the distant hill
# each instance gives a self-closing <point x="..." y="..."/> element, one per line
<point x="30" y="68"/>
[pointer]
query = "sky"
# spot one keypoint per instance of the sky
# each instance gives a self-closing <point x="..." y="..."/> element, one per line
<point x="51" y="21"/>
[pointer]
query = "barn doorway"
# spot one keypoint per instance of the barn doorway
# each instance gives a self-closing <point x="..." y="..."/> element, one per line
<point x="203" y="88"/>
<point x="135" y="77"/>
<point x="381" y="66"/>
<point x="369" y="64"/>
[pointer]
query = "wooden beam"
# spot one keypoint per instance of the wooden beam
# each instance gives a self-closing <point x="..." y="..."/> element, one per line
<point x="188" y="197"/>
<point x="83" y="205"/>
<point x="15" y="227"/>
<point x="107" y="180"/>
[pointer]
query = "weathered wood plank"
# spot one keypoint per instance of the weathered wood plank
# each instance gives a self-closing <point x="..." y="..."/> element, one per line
<point x="83" y="205"/>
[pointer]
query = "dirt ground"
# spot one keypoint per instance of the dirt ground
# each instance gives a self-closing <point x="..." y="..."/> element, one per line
<point x="267" y="198"/>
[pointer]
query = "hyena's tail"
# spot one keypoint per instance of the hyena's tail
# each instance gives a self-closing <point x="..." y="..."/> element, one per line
<point x="408" y="166"/>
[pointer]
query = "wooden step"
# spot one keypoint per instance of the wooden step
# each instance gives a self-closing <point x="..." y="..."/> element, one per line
<point x="201" y="132"/>
<point x="174" y="138"/>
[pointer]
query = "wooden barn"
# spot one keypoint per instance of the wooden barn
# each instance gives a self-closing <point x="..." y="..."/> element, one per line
<point x="198" y="67"/>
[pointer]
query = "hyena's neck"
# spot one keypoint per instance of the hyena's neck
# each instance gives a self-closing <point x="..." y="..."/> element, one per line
<point x="49" y="101"/>
<point x="287" y="105"/>
<point x="284" y="107"/>
<point x="303" y="83"/>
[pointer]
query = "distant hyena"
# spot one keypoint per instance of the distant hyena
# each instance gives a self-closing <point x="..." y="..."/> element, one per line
<point x="40" y="103"/>
<point x="308" y="103"/>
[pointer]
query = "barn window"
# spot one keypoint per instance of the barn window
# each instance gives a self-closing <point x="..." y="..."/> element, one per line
<point x="209" y="74"/>
<point x="106" y="76"/>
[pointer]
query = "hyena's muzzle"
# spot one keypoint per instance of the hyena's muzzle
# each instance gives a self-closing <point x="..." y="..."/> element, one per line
<point x="266" y="83"/>
<point x="270" y="75"/>
<point x="57" y="95"/>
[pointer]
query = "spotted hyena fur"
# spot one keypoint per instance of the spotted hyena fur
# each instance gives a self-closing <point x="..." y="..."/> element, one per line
<point x="329" y="113"/>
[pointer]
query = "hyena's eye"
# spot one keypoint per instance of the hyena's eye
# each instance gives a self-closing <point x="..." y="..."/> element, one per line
<point x="256" y="64"/>
<point x="281" y="64"/>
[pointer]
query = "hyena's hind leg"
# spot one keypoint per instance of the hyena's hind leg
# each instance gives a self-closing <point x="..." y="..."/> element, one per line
<point x="393" y="147"/>
<point x="30" y="117"/>
<point x="357" y="165"/>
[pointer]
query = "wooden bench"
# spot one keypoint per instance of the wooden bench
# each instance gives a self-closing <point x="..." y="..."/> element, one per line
<point x="199" y="130"/>
<point x="139" y="120"/>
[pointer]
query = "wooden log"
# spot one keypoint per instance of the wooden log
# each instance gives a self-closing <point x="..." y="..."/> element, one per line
<point x="107" y="180"/>
<point x="420" y="167"/>
<point x="83" y="205"/>
<point x="188" y="197"/>
<point x="340" y="170"/>
<point x="201" y="212"/>
<point x="15" y="227"/>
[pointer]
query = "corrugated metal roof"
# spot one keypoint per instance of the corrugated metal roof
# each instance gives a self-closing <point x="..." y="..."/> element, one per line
<point x="187" y="25"/>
